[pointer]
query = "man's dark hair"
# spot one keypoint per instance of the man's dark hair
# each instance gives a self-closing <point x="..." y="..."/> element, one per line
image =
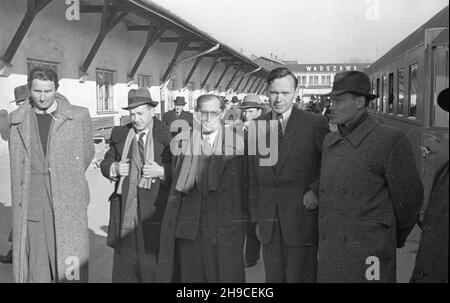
<point x="208" y="97"/>
<point x="43" y="73"/>
<point x="281" y="72"/>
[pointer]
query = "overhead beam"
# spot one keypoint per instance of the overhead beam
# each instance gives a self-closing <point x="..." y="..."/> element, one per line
<point x="246" y="83"/>
<point x="182" y="44"/>
<point x="33" y="8"/>
<point x="118" y="7"/>
<point x="110" y="18"/>
<point x="228" y="64"/>
<point x="238" y="68"/>
<point x="216" y="61"/>
<point x="194" y="67"/>
<point x="254" y="82"/>
<point x="177" y="39"/>
<point x="262" y="88"/>
<point x="239" y="83"/>
<point x="257" y="86"/>
<point x="152" y="37"/>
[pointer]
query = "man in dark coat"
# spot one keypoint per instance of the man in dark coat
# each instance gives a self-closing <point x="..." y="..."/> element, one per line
<point x="205" y="219"/>
<point x="432" y="258"/>
<point x="281" y="200"/>
<point x="370" y="190"/>
<point x="177" y="114"/>
<point x="139" y="162"/>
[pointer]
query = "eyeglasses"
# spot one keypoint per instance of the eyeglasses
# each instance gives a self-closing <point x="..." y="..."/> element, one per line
<point x="208" y="115"/>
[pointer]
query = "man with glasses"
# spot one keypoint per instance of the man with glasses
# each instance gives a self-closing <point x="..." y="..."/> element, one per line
<point x="204" y="218"/>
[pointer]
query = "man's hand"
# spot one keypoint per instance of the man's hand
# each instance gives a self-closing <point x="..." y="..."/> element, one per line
<point x="310" y="200"/>
<point x="123" y="169"/>
<point x="152" y="170"/>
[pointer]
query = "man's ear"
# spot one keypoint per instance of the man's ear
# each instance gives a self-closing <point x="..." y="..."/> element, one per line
<point x="360" y="102"/>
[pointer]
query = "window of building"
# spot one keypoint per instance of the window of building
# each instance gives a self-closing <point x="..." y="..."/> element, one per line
<point x="412" y="94"/>
<point x="303" y="80"/>
<point x="105" y="91"/>
<point x="328" y="80"/>
<point x="32" y="63"/>
<point x="378" y="100"/>
<point x="311" y="80"/>
<point x="385" y="92"/>
<point x="144" y="81"/>
<point x="316" y="80"/>
<point x="323" y="80"/>
<point x="390" y="103"/>
<point x="440" y="82"/>
<point x="400" y="90"/>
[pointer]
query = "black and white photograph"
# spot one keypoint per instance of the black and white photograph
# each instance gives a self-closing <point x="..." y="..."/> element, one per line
<point x="248" y="143"/>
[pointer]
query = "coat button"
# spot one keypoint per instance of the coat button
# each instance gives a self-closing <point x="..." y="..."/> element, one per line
<point x="322" y="191"/>
<point x="322" y="237"/>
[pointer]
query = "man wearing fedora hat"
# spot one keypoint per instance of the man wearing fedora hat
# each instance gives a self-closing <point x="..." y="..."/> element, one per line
<point x="177" y="114"/>
<point x="232" y="112"/>
<point x="50" y="148"/>
<point x="21" y="93"/>
<point x="370" y="191"/>
<point x="432" y="257"/>
<point x="138" y="161"/>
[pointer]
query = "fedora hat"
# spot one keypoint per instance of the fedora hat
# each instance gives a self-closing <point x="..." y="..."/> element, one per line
<point x="251" y="101"/>
<point x="21" y="93"/>
<point x="443" y="99"/>
<point x="138" y="97"/>
<point x="351" y="82"/>
<point x="179" y="100"/>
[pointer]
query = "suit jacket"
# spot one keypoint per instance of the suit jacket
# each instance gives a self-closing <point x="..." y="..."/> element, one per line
<point x="153" y="201"/>
<point x="282" y="187"/>
<point x="171" y="116"/>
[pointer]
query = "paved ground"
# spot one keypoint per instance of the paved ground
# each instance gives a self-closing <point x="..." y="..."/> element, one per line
<point x="101" y="255"/>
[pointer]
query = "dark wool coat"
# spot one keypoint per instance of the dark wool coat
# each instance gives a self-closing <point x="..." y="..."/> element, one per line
<point x="229" y="208"/>
<point x="71" y="149"/>
<point x="155" y="198"/>
<point x="432" y="257"/>
<point x="369" y="200"/>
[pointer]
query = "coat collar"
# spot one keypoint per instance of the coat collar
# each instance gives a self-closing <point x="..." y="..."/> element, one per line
<point x="357" y="136"/>
<point x="64" y="110"/>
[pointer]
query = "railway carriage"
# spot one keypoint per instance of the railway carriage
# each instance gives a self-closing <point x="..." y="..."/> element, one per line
<point x="408" y="79"/>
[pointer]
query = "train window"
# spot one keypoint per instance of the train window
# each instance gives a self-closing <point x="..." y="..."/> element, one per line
<point x="412" y="104"/>
<point x="400" y="90"/>
<point x="390" y="99"/>
<point x="440" y="82"/>
<point x="384" y="95"/>
<point x="378" y="102"/>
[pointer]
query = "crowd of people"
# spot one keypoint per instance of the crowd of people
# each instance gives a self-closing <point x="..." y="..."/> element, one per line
<point x="333" y="208"/>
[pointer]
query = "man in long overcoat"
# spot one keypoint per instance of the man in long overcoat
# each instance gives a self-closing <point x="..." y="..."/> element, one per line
<point x="370" y="191"/>
<point x="50" y="148"/>
<point x="205" y="219"/>
<point x="282" y="200"/>
<point x="139" y="162"/>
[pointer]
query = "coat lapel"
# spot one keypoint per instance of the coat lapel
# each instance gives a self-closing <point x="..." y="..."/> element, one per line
<point x="22" y="118"/>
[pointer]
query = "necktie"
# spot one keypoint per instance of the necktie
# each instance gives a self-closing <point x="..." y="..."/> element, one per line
<point x="280" y="128"/>
<point x="141" y="145"/>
